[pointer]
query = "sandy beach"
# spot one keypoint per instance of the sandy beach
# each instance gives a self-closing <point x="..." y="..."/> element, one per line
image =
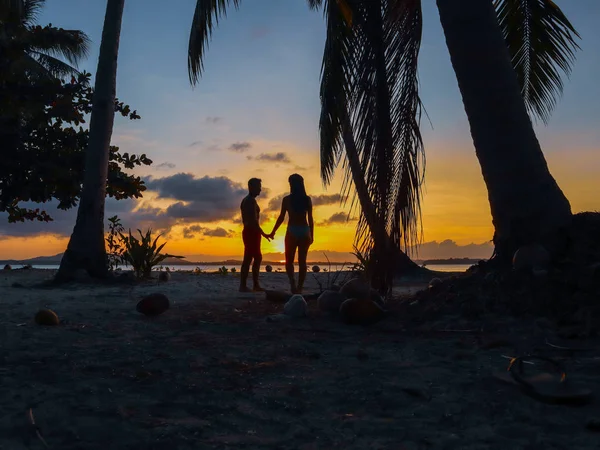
<point x="213" y="373"/>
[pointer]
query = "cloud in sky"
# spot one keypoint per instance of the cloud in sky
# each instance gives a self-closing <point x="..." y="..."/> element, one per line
<point x="339" y="218"/>
<point x="280" y="157"/>
<point x="317" y="200"/>
<point x="165" y="166"/>
<point x="240" y="147"/>
<point x="206" y="199"/>
<point x="450" y="249"/>
<point x="191" y="232"/>
<point x="326" y="199"/>
<point x="64" y="221"/>
<point x="214" y="119"/>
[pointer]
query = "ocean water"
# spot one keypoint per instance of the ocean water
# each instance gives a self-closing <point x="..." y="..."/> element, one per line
<point x="276" y="267"/>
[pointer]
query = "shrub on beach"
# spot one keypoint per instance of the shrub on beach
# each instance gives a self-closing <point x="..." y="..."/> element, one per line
<point x="269" y="268"/>
<point x="142" y="255"/>
<point x="7" y="267"/>
<point x="316" y="269"/>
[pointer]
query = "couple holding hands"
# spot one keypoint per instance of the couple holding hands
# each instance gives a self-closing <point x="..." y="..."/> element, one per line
<point x="299" y="235"/>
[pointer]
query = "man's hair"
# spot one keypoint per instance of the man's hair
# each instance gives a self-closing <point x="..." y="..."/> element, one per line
<point x="254" y="182"/>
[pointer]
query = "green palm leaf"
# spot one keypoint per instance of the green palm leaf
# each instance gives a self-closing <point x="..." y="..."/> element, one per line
<point x="370" y="105"/>
<point x="37" y="49"/>
<point x="542" y="44"/>
<point x="206" y="16"/>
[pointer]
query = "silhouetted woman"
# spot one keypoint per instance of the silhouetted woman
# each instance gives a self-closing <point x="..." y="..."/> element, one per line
<point x="300" y="230"/>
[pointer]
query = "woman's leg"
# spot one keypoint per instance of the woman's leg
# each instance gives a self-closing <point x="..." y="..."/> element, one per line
<point x="290" y="253"/>
<point x="303" y="247"/>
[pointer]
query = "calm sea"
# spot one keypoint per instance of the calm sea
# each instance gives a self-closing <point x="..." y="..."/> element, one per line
<point x="276" y="267"/>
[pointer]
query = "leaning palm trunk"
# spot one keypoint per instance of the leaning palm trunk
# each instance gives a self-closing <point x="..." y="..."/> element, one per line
<point x="400" y="261"/>
<point x="86" y="249"/>
<point x="526" y="203"/>
<point x="369" y="114"/>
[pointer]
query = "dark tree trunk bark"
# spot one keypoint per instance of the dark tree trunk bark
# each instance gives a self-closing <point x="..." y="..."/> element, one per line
<point x="526" y="203"/>
<point x="86" y="248"/>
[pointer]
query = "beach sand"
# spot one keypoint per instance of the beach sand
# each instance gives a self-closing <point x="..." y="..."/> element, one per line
<point x="212" y="372"/>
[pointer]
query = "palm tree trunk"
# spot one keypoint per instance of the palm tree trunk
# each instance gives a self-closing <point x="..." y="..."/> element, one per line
<point x="86" y="248"/>
<point x="526" y="203"/>
<point x="380" y="237"/>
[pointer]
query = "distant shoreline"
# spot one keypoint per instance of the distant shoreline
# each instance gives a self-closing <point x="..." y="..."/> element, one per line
<point x="50" y="262"/>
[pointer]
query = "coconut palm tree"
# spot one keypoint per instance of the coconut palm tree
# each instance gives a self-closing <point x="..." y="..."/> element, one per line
<point x="539" y="40"/>
<point x="371" y="108"/>
<point x="36" y="50"/>
<point x="86" y="249"/>
<point x="526" y="203"/>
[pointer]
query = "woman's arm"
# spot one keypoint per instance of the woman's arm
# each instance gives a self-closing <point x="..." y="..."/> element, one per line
<point x="311" y="222"/>
<point x="281" y="217"/>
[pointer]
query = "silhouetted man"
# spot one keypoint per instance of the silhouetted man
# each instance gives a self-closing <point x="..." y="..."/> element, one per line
<point x="251" y="235"/>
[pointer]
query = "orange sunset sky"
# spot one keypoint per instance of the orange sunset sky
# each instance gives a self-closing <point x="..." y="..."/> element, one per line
<point x="255" y="114"/>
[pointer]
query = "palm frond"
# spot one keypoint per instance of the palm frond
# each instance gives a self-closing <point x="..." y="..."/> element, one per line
<point x="371" y="108"/>
<point x="336" y="74"/>
<point x="206" y="16"/>
<point x="72" y="45"/>
<point x="542" y="43"/>
<point x="31" y="10"/>
<point x="53" y="66"/>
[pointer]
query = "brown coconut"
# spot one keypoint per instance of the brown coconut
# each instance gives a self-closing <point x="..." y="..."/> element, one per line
<point x="46" y="317"/>
<point x="153" y="304"/>
<point x="531" y="257"/>
<point x="434" y="282"/>
<point x="164" y="276"/>
<point x="357" y="311"/>
<point x="356" y="288"/>
<point x="330" y="301"/>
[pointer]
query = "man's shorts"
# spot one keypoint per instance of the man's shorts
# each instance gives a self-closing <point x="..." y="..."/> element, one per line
<point x="251" y="240"/>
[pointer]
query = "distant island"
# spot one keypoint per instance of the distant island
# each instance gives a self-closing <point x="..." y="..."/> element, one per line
<point x="55" y="260"/>
<point x="448" y="261"/>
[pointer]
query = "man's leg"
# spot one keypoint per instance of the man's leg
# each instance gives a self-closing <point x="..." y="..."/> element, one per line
<point x="245" y="270"/>
<point x="256" y="272"/>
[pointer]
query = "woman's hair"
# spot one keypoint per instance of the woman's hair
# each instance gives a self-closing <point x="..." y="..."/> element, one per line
<point x="298" y="197"/>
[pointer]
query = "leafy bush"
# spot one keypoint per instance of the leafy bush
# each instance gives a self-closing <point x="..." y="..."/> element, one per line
<point x="336" y="278"/>
<point x="142" y="255"/>
<point x="114" y="244"/>
<point x="361" y="267"/>
<point x="223" y="270"/>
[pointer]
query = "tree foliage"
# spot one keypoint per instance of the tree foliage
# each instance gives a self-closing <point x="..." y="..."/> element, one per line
<point x="44" y="144"/>
<point x="44" y="101"/>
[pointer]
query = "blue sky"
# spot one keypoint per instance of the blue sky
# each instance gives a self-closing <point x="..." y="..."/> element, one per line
<point x="261" y="87"/>
<point x="264" y="61"/>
